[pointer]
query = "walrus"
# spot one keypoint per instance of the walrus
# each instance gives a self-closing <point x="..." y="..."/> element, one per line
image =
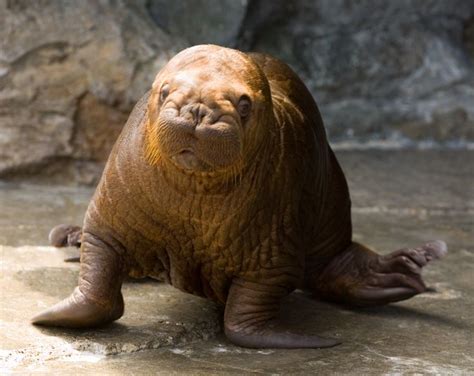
<point x="223" y="184"/>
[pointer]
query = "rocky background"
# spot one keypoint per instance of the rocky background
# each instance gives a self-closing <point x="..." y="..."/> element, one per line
<point x="384" y="73"/>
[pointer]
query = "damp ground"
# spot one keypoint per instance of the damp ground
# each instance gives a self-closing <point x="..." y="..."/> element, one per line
<point x="400" y="198"/>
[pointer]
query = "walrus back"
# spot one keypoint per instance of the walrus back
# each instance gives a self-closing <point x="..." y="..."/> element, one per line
<point x="284" y="82"/>
<point x="325" y="204"/>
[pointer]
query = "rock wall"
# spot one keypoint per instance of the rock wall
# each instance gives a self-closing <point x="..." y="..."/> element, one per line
<point x="382" y="70"/>
<point x="401" y="72"/>
<point x="70" y="72"/>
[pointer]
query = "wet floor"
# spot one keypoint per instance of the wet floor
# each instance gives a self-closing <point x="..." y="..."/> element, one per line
<point x="399" y="198"/>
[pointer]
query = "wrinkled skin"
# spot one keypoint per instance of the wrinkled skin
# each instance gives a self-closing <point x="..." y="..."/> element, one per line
<point x="222" y="184"/>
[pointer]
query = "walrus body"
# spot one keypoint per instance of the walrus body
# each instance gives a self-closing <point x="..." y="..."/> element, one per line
<point x="222" y="183"/>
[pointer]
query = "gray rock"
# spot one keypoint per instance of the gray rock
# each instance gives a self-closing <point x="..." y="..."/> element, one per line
<point x="393" y="74"/>
<point x="200" y="21"/>
<point x="69" y="75"/>
<point x="379" y="69"/>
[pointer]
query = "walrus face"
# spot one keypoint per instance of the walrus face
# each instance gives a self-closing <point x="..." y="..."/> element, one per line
<point x="202" y="112"/>
<point x="201" y="120"/>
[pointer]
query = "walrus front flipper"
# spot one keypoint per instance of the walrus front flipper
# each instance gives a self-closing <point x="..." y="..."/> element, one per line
<point x="250" y="319"/>
<point x="77" y="311"/>
<point x="97" y="300"/>
<point x="361" y="277"/>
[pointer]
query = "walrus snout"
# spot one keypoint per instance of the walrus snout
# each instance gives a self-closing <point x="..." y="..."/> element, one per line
<point x="199" y="116"/>
<point x="195" y="120"/>
<point x="199" y="138"/>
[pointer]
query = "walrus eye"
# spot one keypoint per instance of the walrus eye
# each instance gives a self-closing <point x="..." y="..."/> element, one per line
<point x="165" y="90"/>
<point x="244" y="106"/>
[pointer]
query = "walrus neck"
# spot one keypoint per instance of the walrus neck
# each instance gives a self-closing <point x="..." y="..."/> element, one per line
<point x="196" y="183"/>
<point x="242" y="176"/>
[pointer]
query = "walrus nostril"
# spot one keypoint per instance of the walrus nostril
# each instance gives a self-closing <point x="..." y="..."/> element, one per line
<point x="199" y="111"/>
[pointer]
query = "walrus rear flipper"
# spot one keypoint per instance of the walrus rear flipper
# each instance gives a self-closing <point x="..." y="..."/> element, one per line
<point x="250" y="319"/>
<point x="66" y="236"/>
<point x="361" y="277"/>
<point x="97" y="300"/>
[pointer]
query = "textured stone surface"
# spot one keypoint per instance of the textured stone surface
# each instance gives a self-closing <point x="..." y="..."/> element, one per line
<point x="200" y="21"/>
<point x="69" y="75"/>
<point x="398" y="73"/>
<point x="386" y="70"/>
<point x="399" y="198"/>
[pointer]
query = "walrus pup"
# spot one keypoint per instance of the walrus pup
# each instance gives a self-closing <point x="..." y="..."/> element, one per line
<point x="222" y="183"/>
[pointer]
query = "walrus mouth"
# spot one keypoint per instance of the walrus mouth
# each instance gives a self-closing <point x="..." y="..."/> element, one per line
<point x="188" y="160"/>
<point x="186" y="152"/>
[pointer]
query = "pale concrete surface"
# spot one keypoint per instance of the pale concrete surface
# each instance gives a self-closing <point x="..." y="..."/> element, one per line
<point x="399" y="198"/>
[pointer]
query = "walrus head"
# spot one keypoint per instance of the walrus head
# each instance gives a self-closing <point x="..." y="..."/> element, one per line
<point x="208" y="111"/>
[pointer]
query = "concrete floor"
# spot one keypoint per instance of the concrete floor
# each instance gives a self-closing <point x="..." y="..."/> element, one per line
<point x="400" y="198"/>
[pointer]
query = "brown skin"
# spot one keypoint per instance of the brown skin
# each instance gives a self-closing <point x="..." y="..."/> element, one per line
<point x="222" y="183"/>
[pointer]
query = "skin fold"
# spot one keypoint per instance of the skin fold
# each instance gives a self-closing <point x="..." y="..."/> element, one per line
<point x="222" y="183"/>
